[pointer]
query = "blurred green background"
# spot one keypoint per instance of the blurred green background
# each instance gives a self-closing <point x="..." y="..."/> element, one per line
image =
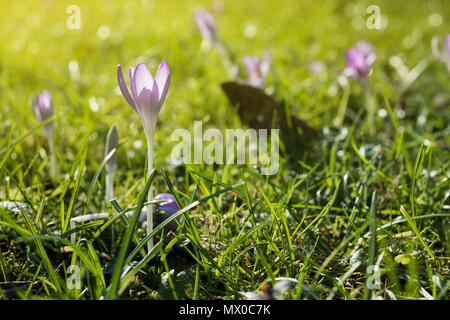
<point x="78" y="67"/>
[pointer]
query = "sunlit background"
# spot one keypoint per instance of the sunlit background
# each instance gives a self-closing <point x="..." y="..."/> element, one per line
<point x="38" y="51"/>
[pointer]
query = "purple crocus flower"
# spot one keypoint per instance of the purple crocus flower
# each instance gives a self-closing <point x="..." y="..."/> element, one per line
<point x="360" y="59"/>
<point x="43" y="108"/>
<point x="206" y="25"/>
<point x="147" y="94"/>
<point x="256" y="71"/>
<point x="147" y="97"/>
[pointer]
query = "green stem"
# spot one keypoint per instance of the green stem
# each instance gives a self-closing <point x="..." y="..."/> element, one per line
<point x="371" y="110"/>
<point x="109" y="195"/>
<point x="51" y="146"/>
<point x="150" y="193"/>
<point x="109" y="186"/>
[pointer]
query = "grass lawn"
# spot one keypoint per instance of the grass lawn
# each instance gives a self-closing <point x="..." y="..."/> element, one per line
<point x="358" y="210"/>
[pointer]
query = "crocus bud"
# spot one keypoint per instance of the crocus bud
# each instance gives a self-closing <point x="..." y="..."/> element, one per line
<point x="169" y="207"/>
<point x="360" y="59"/>
<point x="43" y="108"/>
<point x="206" y="25"/>
<point x="112" y="141"/>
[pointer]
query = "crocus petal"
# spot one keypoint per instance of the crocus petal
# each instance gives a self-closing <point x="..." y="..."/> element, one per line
<point x="44" y="100"/>
<point x="131" y="77"/>
<point x="162" y="78"/>
<point x="123" y="87"/>
<point x="142" y="79"/>
<point x="45" y="105"/>
<point x="154" y="103"/>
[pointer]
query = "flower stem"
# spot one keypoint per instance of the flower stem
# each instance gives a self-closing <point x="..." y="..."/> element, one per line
<point x="150" y="193"/>
<point x="109" y="195"/>
<point x="51" y="146"/>
<point x="109" y="186"/>
<point x="371" y="110"/>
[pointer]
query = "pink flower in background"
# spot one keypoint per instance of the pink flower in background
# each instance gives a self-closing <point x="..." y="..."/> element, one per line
<point x="147" y="94"/>
<point x="360" y="59"/>
<point x="206" y="25"/>
<point x="256" y="71"/>
<point x="43" y="108"/>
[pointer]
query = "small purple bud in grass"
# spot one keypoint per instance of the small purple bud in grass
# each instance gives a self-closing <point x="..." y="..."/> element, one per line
<point x="147" y="96"/>
<point x="206" y="25"/>
<point x="170" y="207"/>
<point x="360" y="59"/>
<point x="256" y="71"/>
<point x="43" y="108"/>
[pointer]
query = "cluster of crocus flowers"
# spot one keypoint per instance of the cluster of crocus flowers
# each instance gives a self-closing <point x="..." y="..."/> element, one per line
<point x="360" y="59"/>
<point x="257" y="71"/>
<point x="43" y="109"/>
<point x="443" y="56"/>
<point x="147" y="96"/>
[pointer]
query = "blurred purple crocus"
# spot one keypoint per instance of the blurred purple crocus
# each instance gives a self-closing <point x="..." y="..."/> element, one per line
<point x="256" y="71"/>
<point x="360" y="59"/>
<point x="43" y="109"/>
<point x="147" y="97"/>
<point x="206" y="25"/>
